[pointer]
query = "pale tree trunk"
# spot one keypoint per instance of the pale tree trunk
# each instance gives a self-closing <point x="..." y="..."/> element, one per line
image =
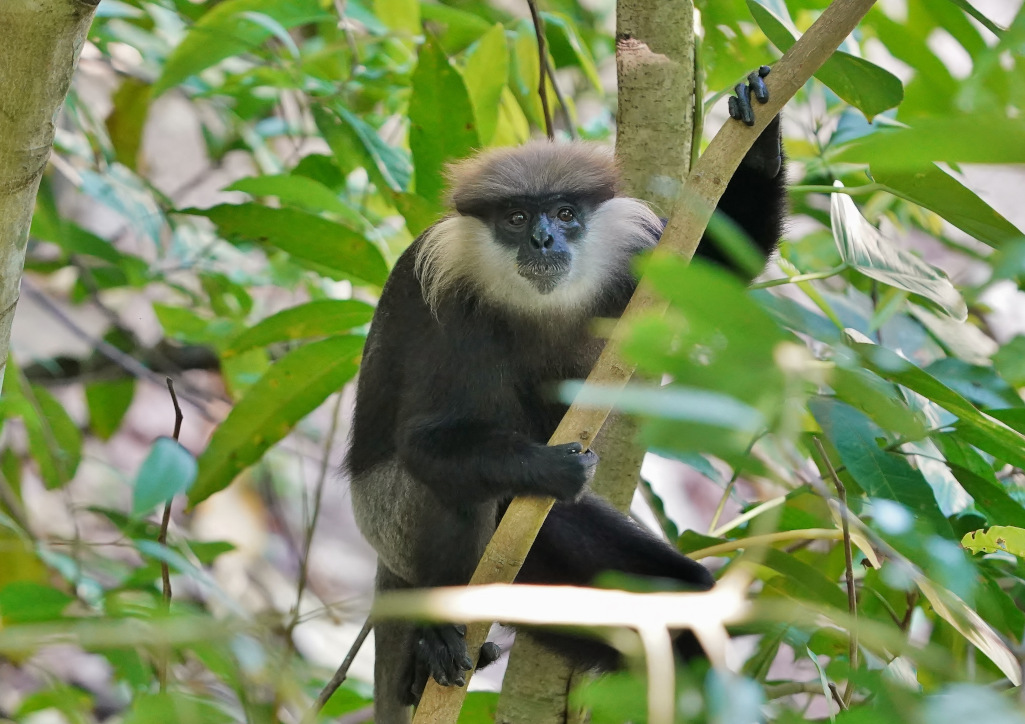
<point x="39" y="45"/>
<point x="656" y="96"/>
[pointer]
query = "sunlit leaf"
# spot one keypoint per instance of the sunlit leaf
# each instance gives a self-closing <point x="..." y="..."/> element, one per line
<point x="319" y="318"/>
<point x="293" y="387"/>
<point x="25" y="601"/>
<point x="167" y="471"/>
<point x="1009" y="539"/>
<point x="979" y="138"/>
<point x="439" y="132"/>
<point x="567" y="48"/>
<point x="863" y="247"/>
<point x="485" y="73"/>
<point x="128" y="119"/>
<point x="225" y="30"/>
<point x="337" y="248"/>
<point x="933" y="189"/>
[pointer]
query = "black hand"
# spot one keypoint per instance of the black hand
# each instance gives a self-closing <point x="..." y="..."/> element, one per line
<point x="566" y="470"/>
<point x="740" y="104"/>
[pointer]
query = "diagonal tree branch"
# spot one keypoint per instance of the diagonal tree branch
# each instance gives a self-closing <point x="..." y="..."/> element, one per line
<point x="512" y="541"/>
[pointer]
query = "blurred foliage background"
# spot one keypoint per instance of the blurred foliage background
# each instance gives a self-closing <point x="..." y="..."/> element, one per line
<point x="229" y="186"/>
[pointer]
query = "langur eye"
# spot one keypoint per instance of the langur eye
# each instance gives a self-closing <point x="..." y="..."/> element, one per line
<point x="565" y="214"/>
<point x="517" y="218"/>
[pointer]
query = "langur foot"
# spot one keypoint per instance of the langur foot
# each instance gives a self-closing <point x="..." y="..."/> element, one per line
<point x="740" y="104"/>
<point x="442" y="652"/>
<point x="489" y="653"/>
<point x="766" y="155"/>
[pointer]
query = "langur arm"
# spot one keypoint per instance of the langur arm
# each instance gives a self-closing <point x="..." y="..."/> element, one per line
<point x="471" y="460"/>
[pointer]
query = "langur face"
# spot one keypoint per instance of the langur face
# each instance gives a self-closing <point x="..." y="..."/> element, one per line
<point x="544" y="233"/>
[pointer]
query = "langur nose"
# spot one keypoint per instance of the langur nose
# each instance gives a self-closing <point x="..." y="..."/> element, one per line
<point x="542" y="242"/>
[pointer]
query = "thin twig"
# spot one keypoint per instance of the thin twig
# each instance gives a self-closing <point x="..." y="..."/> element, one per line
<point x="311" y="523"/>
<point x="567" y="121"/>
<point x="836" y="697"/>
<point x="852" y="594"/>
<point x="343" y="671"/>
<point x="542" y="67"/>
<point x="730" y="485"/>
<point x="165" y="571"/>
<point x="125" y="361"/>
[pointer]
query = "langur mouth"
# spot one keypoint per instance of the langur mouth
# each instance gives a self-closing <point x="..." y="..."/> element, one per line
<point x="544" y="277"/>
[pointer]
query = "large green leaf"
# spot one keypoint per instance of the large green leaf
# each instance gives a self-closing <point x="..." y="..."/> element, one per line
<point x="969" y="138"/>
<point x="296" y="384"/>
<point x="54" y="440"/>
<point x="230" y="28"/>
<point x="933" y="189"/>
<point x="486" y="70"/>
<point x="128" y="119"/>
<point x="301" y="192"/>
<point x="982" y="430"/>
<point x="356" y="144"/>
<point x="442" y="125"/>
<point x="863" y="247"/>
<point x="567" y="48"/>
<point x="862" y="84"/>
<point x="881" y="474"/>
<point x="320" y="318"/>
<point x="305" y="236"/>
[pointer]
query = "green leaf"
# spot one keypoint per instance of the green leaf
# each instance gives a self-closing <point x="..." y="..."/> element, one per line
<point x="1010" y="361"/>
<point x="455" y="29"/>
<point x="54" y="439"/>
<point x="27" y="602"/>
<point x="108" y="401"/>
<point x="802" y="580"/>
<point x="401" y="15"/>
<point x="982" y="430"/>
<point x="128" y="119"/>
<point x="168" y="470"/>
<point x="967" y="138"/>
<point x="355" y="143"/>
<point x="932" y="188"/>
<point x="298" y="191"/>
<point x="314" y="319"/>
<point x="174" y="708"/>
<point x="292" y="388"/>
<point x="226" y="30"/>
<point x="864" y="85"/>
<point x="486" y="70"/>
<point x="990" y="498"/>
<point x="997" y="538"/>
<point x="863" y="247"/>
<point x="568" y="49"/>
<point x="442" y="126"/>
<point x="880" y="474"/>
<point x="341" y="251"/>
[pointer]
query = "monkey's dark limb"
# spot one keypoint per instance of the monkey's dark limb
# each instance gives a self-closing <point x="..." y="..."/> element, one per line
<point x="442" y="651"/>
<point x="340" y="675"/>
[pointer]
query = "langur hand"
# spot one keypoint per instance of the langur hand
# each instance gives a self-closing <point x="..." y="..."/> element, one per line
<point x="568" y="468"/>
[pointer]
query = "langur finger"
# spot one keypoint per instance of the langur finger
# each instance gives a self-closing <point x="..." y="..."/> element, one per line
<point x="741" y="109"/>
<point x="758" y="87"/>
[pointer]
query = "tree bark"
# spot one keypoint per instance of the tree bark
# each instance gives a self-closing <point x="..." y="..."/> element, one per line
<point x="656" y="94"/>
<point x="41" y="43"/>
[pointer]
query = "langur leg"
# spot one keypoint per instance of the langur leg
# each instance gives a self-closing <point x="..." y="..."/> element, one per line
<point x="394" y="662"/>
<point x="579" y="540"/>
